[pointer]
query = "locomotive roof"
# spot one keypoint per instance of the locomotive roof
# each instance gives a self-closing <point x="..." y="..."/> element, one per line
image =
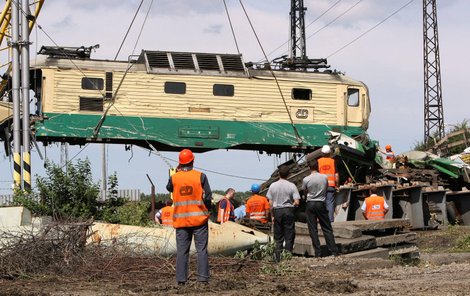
<point x="187" y="63"/>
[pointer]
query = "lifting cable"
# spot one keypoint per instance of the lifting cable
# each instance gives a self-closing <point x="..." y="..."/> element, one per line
<point x="167" y="160"/>
<point x="66" y="55"/>
<point x="129" y="29"/>
<point x="97" y="128"/>
<point x="296" y="133"/>
<point x="73" y="63"/>
<point x="231" y="27"/>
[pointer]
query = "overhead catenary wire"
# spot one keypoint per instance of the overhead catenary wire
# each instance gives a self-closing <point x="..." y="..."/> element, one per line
<point x="330" y="22"/>
<point x="311" y="23"/>
<point x="212" y="171"/>
<point x="372" y="28"/>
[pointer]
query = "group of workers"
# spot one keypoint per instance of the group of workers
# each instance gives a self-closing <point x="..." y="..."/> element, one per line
<point x="189" y="214"/>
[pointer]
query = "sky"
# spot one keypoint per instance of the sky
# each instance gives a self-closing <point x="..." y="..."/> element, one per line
<point x="388" y="59"/>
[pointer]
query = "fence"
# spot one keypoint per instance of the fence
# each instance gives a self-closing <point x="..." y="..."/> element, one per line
<point x="130" y="194"/>
<point x="6" y="199"/>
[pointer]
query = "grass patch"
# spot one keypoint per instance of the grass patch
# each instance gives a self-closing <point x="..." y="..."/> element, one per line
<point x="463" y="244"/>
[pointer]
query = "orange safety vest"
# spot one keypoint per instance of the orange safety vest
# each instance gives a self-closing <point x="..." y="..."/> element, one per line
<point x="189" y="209"/>
<point x="375" y="207"/>
<point x="228" y="211"/>
<point x="257" y="206"/>
<point x="326" y="166"/>
<point x="390" y="156"/>
<point x="167" y="216"/>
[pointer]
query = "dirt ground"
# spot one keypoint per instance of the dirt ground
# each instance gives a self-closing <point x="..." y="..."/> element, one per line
<point x="443" y="270"/>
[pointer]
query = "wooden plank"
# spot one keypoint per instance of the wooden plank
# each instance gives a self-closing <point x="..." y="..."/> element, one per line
<point x="451" y="135"/>
<point x="303" y="245"/>
<point x="340" y="231"/>
<point x="408" y="237"/>
<point x="367" y="225"/>
<point x="456" y="143"/>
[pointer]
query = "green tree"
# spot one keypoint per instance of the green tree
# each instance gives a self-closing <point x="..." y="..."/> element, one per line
<point x="63" y="193"/>
<point x="109" y="209"/>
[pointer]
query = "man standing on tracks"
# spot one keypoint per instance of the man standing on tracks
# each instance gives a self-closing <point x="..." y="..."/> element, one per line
<point x="165" y="215"/>
<point x="192" y="198"/>
<point x="226" y="211"/>
<point x="327" y="166"/>
<point x="257" y="206"/>
<point x="315" y="188"/>
<point x="283" y="197"/>
<point x="374" y="206"/>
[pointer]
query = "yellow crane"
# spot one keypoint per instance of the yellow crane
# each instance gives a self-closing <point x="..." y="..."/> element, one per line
<point x="5" y="18"/>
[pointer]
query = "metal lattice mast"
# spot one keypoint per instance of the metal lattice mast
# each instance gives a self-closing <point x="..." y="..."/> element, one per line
<point x="298" y="50"/>
<point x="433" y="110"/>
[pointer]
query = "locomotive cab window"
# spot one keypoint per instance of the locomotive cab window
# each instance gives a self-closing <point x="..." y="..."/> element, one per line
<point x="178" y="88"/>
<point x="353" y="97"/>
<point x="224" y="90"/>
<point x="92" y="83"/>
<point x="303" y="94"/>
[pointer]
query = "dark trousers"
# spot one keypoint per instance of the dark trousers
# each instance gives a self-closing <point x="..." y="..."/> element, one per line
<point x="331" y="202"/>
<point x="316" y="210"/>
<point x="184" y="237"/>
<point x="284" y="230"/>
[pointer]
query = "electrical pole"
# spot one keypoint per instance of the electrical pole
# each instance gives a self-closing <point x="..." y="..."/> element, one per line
<point x="298" y="59"/>
<point x="15" y="46"/>
<point x="25" y="90"/>
<point x="433" y="109"/>
<point x="104" y="175"/>
<point x="298" y="49"/>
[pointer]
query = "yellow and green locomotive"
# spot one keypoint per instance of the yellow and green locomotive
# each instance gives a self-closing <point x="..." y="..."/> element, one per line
<point x="201" y="101"/>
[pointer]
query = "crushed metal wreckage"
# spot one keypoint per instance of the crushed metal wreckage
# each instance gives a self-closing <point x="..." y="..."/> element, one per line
<point x="427" y="189"/>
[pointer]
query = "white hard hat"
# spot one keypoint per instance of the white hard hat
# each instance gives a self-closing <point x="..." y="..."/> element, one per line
<point x="325" y="149"/>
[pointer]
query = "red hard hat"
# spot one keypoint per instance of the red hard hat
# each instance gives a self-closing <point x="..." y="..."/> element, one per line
<point x="388" y="147"/>
<point x="186" y="156"/>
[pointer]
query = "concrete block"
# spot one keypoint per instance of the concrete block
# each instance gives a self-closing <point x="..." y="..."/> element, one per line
<point x="14" y="216"/>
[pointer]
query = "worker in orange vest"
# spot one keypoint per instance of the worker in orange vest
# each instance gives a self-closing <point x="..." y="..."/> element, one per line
<point x="192" y="198"/>
<point x="226" y="211"/>
<point x="257" y="206"/>
<point x="165" y="215"/>
<point x="374" y="206"/>
<point x="389" y="156"/>
<point x="327" y="166"/>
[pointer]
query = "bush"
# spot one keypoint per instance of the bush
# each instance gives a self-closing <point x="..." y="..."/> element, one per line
<point x="134" y="213"/>
<point x="63" y="193"/>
